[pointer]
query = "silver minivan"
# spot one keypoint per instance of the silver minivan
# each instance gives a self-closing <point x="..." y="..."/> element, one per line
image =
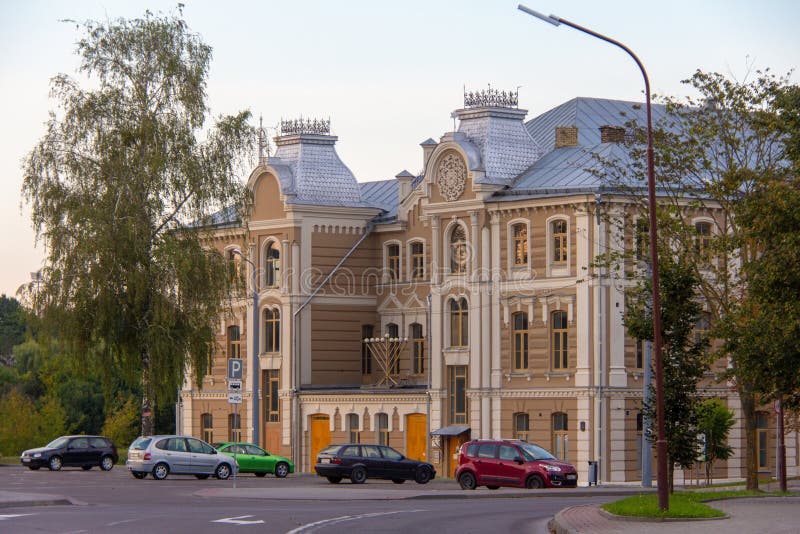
<point x="179" y="455"/>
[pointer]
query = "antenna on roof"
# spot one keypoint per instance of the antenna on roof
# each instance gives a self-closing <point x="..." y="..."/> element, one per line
<point x="263" y="142"/>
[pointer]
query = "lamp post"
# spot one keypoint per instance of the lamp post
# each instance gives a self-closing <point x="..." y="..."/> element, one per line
<point x="254" y="345"/>
<point x="661" y="443"/>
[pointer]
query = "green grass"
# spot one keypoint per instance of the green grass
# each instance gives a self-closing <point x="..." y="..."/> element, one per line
<point x="682" y="504"/>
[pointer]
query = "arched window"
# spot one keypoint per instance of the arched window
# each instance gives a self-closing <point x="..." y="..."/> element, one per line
<point x="701" y="330"/>
<point x="234" y="344"/>
<point x="560" y="243"/>
<point x="352" y="428"/>
<point x="642" y="239"/>
<point x="458" y="250"/>
<point x="457" y="394"/>
<point x="367" y="332"/>
<point x="382" y="428"/>
<point x="521" y="426"/>
<point x="520" y="340"/>
<point x="272" y="266"/>
<point x="639" y="354"/>
<point x="234" y="427"/>
<point x="272" y="328"/>
<point x="560" y="439"/>
<point x="520" y="236"/>
<point x="393" y="261"/>
<point x="207" y="427"/>
<point x="459" y="323"/>
<point x="417" y="349"/>
<point x="762" y="429"/>
<point x="417" y="251"/>
<point x="702" y="241"/>
<point x="558" y="336"/>
<point x="394" y="332"/>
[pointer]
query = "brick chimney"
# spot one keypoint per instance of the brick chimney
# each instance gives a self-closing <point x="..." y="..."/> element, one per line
<point x="612" y="134"/>
<point x="566" y="136"/>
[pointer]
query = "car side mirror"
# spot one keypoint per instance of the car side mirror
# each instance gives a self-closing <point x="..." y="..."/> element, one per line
<point x="214" y="451"/>
<point x="519" y="460"/>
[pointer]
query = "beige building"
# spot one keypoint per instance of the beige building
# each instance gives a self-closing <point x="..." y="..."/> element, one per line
<point x="478" y="270"/>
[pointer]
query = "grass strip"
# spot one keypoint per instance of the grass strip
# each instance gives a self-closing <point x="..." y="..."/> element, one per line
<point x="682" y="504"/>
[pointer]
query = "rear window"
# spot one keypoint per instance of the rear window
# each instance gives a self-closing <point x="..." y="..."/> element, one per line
<point x="487" y="450"/>
<point x="472" y="449"/>
<point x="141" y="443"/>
<point x="330" y="449"/>
<point x="99" y="443"/>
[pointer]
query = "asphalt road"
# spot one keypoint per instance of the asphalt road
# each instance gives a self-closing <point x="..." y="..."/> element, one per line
<point x="115" y="502"/>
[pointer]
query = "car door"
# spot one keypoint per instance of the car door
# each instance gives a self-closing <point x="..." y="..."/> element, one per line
<point x="178" y="456"/>
<point x="396" y="467"/>
<point x="509" y="470"/>
<point x="373" y="461"/>
<point x="77" y="452"/>
<point x="203" y="457"/>
<point x="260" y="460"/>
<point x="486" y="464"/>
<point x="97" y="446"/>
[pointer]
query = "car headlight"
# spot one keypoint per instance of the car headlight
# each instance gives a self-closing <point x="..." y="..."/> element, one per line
<point x="553" y="468"/>
<point x="37" y="455"/>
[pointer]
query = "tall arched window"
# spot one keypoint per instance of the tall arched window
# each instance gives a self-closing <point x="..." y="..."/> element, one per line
<point x="762" y="429"/>
<point x="702" y="241"/>
<point x="367" y="332"/>
<point x="393" y="261"/>
<point x="521" y="426"/>
<point x="417" y="349"/>
<point x="272" y="266"/>
<point x="520" y="233"/>
<point x="560" y="440"/>
<point x="352" y="428"/>
<point x="558" y="336"/>
<point x="382" y="428"/>
<point x="207" y="427"/>
<point x="234" y="344"/>
<point x="558" y="235"/>
<point x="272" y="328"/>
<point x="458" y="250"/>
<point x="520" y="341"/>
<point x="701" y="329"/>
<point x="417" y="251"/>
<point x="459" y="323"/>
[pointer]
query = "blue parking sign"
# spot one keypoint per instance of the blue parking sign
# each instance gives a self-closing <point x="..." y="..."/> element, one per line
<point x="235" y="368"/>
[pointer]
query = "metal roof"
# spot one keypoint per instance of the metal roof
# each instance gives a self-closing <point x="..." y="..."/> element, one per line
<point x="381" y="194"/>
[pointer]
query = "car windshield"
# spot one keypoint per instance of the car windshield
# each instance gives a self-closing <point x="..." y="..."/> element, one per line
<point x="141" y="443"/>
<point x="535" y="452"/>
<point x="58" y="442"/>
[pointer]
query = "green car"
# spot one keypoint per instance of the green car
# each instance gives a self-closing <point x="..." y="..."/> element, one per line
<point x="253" y="459"/>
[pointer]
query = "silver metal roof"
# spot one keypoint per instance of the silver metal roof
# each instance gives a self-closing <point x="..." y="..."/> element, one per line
<point x="381" y="194"/>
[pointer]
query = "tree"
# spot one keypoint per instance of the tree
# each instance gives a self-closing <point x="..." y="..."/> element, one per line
<point x="714" y="421"/>
<point x="12" y="327"/>
<point x="684" y="358"/>
<point x="712" y="153"/>
<point x="121" y="186"/>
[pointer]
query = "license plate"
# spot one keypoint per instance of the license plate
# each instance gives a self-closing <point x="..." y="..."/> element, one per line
<point x="572" y="476"/>
<point x="26" y="460"/>
<point x="324" y="461"/>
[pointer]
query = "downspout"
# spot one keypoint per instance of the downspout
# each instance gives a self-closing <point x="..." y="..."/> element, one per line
<point x="602" y="239"/>
<point x="296" y="345"/>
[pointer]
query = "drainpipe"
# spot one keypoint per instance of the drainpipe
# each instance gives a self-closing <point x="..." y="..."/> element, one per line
<point x="296" y="449"/>
<point x="601" y="340"/>
<point x="428" y="396"/>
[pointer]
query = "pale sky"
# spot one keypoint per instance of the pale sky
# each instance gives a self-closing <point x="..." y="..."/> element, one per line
<point x="387" y="74"/>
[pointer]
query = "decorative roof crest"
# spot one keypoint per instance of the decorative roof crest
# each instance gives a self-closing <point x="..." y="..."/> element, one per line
<point x="491" y="98"/>
<point x="306" y="126"/>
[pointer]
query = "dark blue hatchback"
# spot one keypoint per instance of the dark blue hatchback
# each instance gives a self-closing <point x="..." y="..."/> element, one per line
<point x="358" y="462"/>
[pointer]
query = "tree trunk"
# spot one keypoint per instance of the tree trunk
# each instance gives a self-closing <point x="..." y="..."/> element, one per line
<point x="147" y="404"/>
<point x="671" y="476"/>
<point x="748" y="401"/>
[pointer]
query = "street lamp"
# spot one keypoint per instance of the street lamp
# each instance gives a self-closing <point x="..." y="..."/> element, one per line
<point x="661" y="443"/>
<point x="254" y="345"/>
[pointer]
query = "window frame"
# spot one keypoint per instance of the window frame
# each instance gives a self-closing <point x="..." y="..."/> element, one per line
<point x="563" y="266"/>
<point x="457" y="249"/>
<point x="207" y="426"/>
<point x="233" y="343"/>
<point x="353" y="427"/>
<point x="416" y="260"/>
<point x="559" y="436"/>
<point x="515" y="241"/>
<point x="559" y="351"/>
<point x="520" y="342"/>
<point x="521" y="431"/>
<point x="272" y="384"/>
<point x="367" y="332"/>
<point x="272" y="330"/>
<point x="457" y="376"/>
<point x="458" y="322"/>
<point x="382" y="428"/>
<point x="393" y="257"/>
<point x="417" y="338"/>
<point x="272" y="264"/>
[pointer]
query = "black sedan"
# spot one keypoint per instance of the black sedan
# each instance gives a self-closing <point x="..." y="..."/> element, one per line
<point x="80" y="451"/>
<point x="358" y="462"/>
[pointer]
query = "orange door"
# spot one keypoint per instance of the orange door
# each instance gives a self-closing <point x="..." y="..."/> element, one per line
<point x="416" y="436"/>
<point x="453" y="443"/>
<point x="320" y="437"/>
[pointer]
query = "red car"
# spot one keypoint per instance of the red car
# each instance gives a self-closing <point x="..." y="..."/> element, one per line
<point x="514" y="463"/>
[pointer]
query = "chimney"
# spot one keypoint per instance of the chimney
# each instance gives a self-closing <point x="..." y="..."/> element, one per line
<point x="428" y="146"/>
<point x="566" y="136"/>
<point x="612" y="134"/>
<point x="404" y="180"/>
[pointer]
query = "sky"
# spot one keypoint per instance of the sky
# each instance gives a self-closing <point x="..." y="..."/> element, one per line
<point x="387" y="74"/>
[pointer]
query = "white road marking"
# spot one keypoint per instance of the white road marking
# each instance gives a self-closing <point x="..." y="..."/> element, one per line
<point x="239" y="520"/>
<point x="327" y="522"/>
<point x="4" y="517"/>
<point x="115" y="523"/>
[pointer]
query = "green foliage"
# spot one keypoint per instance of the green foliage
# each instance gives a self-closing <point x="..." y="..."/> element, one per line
<point x="714" y="421"/>
<point x="122" y="425"/>
<point x="23" y="426"/>
<point x="12" y="327"/>
<point x="120" y="186"/>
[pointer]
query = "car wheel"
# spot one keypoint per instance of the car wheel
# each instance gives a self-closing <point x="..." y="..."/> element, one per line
<point x="358" y="475"/>
<point x="86" y="467"/>
<point x="493" y="487"/>
<point x="160" y="471"/>
<point x="55" y="463"/>
<point x="423" y="475"/>
<point x="260" y="475"/>
<point x="138" y="474"/>
<point x="107" y="463"/>
<point x="334" y="480"/>
<point x="534" y="482"/>
<point x="281" y="470"/>
<point x="33" y="467"/>
<point x="202" y="477"/>
<point x="467" y="481"/>
<point x="398" y="480"/>
<point x="223" y="471"/>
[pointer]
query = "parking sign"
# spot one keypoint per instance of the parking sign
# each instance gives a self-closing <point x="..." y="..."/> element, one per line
<point x="235" y="367"/>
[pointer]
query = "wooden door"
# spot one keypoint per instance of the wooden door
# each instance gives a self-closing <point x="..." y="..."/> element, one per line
<point x="320" y="437"/>
<point x="453" y="443"/>
<point x="416" y="436"/>
<point x="272" y="438"/>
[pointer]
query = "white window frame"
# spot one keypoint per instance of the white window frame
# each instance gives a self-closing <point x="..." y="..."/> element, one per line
<point x="513" y="270"/>
<point x="446" y="246"/>
<point x="385" y="271"/>
<point x="558" y="269"/>
<point x="410" y="260"/>
<point x="271" y="240"/>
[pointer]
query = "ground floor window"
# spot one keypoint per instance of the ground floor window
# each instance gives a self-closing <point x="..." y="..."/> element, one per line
<point x="457" y="393"/>
<point x="352" y="428"/>
<point x="271" y="379"/>
<point x="560" y="439"/>
<point x="762" y="425"/>
<point x="382" y="428"/>
<point x="521" y="426"/>
<point x="234" y="427"/>
<point x="207" y="427"/>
